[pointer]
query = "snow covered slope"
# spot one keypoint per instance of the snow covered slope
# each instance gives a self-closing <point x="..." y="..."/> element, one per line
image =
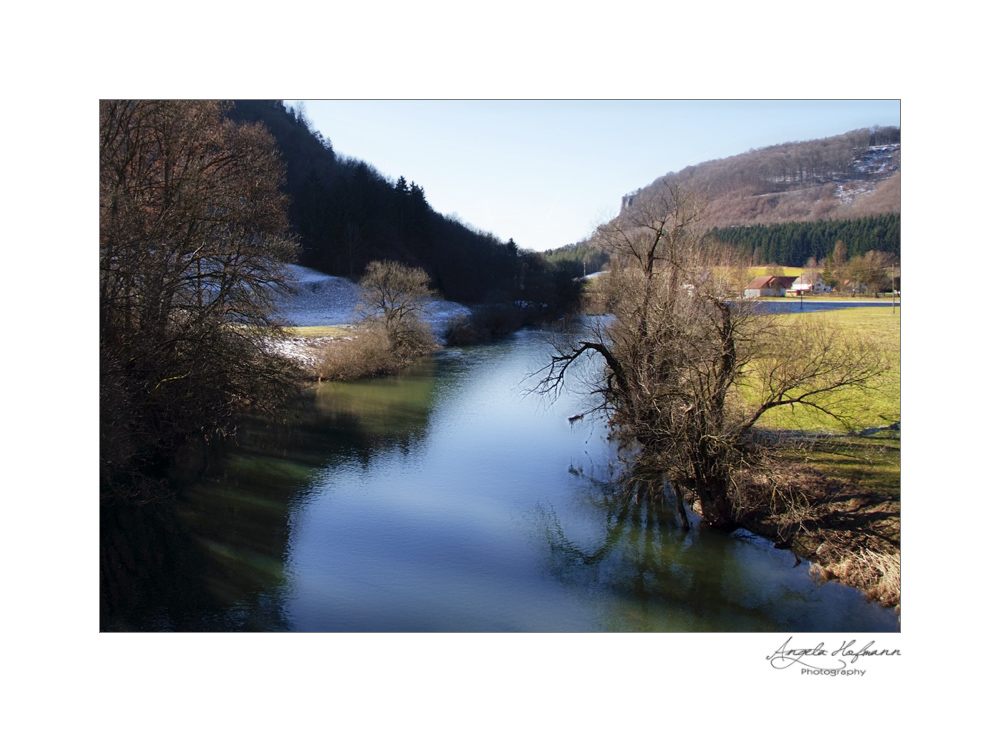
<point x="319" y="299"/>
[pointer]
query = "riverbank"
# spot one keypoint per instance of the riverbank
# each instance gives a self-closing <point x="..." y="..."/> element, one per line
<point x="325" y="336"/>
<point x="840" y="491"/>
<point x="834" y="501"/>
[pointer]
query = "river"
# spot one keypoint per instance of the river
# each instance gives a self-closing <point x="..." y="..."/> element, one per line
<point x="445" y="499"/>
<point x="794" y="304"/>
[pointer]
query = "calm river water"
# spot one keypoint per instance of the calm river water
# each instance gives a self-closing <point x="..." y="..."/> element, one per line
<point x="443" y="500"/>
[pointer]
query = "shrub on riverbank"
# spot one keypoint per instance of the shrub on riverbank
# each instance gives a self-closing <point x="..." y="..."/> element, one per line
<point x="392" y="333"/>
<point x="370" y="353"/>
<point x="490" y="322"/>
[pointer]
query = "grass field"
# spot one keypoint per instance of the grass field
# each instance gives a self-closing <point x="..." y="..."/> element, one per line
<point x="844" y="480"/>
<point x="870" y="462"/>
<point x="316" y="331"/>
<point x="773" y="270"/>
<point x="876" y="407"/>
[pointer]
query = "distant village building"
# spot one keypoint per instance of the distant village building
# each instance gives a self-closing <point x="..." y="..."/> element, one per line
<point x="768" y="286"/>
<point x="810" y="282"/>
<point x="853" y="287"/>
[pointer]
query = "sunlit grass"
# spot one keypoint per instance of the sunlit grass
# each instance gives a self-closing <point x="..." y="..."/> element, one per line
<point x="316" y="331"/>
<point x="877" y="406"/>
<point x="779" y="271"/>
<point x="870" y="462"/>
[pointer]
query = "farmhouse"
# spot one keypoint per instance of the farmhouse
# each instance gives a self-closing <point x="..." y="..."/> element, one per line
<point x="768" y="286"/>
<point x="810" y="282"/>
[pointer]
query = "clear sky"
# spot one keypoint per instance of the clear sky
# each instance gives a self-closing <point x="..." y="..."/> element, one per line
<point x="544" y="173"/>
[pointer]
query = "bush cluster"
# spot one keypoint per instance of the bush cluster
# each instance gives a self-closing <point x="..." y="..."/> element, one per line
<point x="370" y="352"/>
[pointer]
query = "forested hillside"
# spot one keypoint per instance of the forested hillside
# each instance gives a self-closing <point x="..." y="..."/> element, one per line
<point x="347" y="214"/>
<point x="584" y="257"/>
<point x="789" y="203"/>
<point x="795" y="244"/>
<point x="853" y="175"/>
<point x="782" y="204"/>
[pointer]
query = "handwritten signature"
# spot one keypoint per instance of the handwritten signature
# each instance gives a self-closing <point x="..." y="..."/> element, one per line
<point x="835" y="659"/>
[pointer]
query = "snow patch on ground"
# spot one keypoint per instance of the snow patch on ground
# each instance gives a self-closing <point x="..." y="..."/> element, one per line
<point x="307" y="351"/>
<point x="847" y="192"/>
<point x="878" y="160"/>
<point x="320" y="299"/>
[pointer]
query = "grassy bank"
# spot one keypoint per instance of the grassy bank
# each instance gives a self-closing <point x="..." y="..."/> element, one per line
<point x="878" y="406"/>
<point x="316" y="331"/>
<point x="832" y="491"/>
<point x="835" y="501"/>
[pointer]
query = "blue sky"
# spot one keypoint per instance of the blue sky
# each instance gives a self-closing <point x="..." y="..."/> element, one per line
<point x="544" y="173"/>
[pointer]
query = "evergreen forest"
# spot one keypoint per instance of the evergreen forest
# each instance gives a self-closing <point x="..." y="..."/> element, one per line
<point x="347" y="214"/>
<point x="794" y="244"/>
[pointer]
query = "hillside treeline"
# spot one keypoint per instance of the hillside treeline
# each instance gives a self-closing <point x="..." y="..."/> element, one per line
<point x="847" y="176"/>
<point x="585" y="257"/>
<point x="794" y="244"/>
<point x="347" y="214"/>
<point x="781" y="167"/>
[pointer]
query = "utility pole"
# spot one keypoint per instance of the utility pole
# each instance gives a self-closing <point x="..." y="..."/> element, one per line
<point x="892" y="285"/>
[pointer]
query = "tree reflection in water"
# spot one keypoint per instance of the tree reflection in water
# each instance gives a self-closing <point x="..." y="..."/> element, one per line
<point x="212" y="557"/>
<point x="652" y="576"/>
<point x="158" y="573"/>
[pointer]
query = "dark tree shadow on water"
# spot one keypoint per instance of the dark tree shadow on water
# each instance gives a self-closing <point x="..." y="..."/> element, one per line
<point x="649" y="575"/>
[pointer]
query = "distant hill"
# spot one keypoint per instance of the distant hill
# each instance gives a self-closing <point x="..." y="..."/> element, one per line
<point x="849" y="176"/>
<point x="789" y="203"/>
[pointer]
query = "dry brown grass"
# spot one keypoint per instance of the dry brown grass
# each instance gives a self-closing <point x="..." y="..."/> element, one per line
<point x="849" y="533"/>
<point x="781" y="506"/>
<point x="876" y="573"/>
<point x="369" y="352"/>
<point x="366" y="353"/>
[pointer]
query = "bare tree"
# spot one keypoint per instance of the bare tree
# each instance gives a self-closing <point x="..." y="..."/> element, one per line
<point x="691" y="368"/>
<point x="875" y="273"/>
<point x="192" y="236"/>
<point x="394" y="298"/>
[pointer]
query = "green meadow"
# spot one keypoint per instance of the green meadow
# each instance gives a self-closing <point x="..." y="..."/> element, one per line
<point x="842" y="451"/>
<point x="876" y="406"/>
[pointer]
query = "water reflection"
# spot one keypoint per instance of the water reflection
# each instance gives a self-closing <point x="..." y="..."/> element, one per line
<point x="796" y="305"/>
<point x="213" y="556"/>
<point x="391" y="406"/>
<point x="159" y="574"/>
<point x="650" y="576"/>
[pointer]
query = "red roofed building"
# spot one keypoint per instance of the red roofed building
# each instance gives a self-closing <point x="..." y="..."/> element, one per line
<point x="768" y="286"/>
